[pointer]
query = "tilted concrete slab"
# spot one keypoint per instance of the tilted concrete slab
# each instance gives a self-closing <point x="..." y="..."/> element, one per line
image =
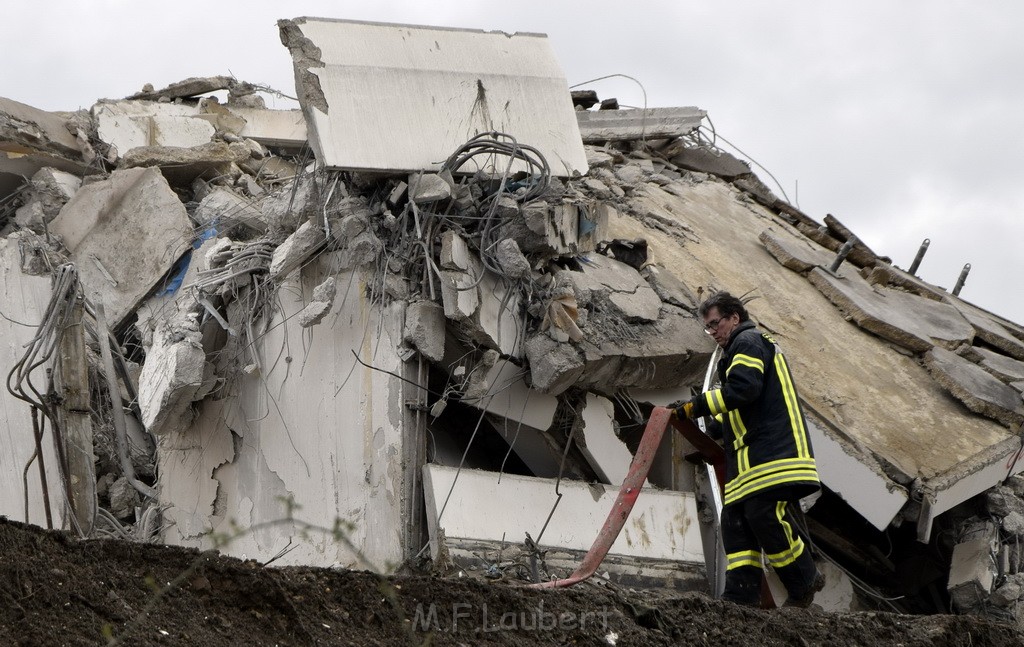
<point x="399" y="97"/>
<point x="662" y="525"/>
<point x="124" y="234"/>
<point x="883" y="400"/>
<point x="856" y="477"/>
<point x="797" y="253"/>
<point x="976" y="388"/>
<point x="707" y="160"/>
<point x="23" y="300"/>
<point x="653" y="123"/>
<point x="907" y="320"/>
<point x="1005" y="368"/>
<point x="608" y="455"/>
<point x="32" y="139"/>
<point x="989" y="330"/>
<point x="182" y="165"/>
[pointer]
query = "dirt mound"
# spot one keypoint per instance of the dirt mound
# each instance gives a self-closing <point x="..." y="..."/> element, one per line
<point x="57" y="590"/>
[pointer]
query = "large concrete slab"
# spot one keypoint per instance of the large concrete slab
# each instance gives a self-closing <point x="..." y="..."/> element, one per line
<point x="883" y="400"/>
<point x="124" y="234"/>
<point x="608" y="455"/>
<point x="905" y="319"/>
<point x="672" y="351"/>
<point x="853" y="474"/>
<point x="653" y="123"/>
<point x="976" y="388"/>
<point x="708" y="160"/>
<point x="663" y="524"/>
<point x="399" y="97"/>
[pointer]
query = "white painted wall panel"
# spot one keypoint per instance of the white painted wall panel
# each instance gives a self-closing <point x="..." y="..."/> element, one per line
<point x="663" y="524"/>
<point x="403" y="97"/>
<point x="313" y="425"/>
<point x="23" y="299"/>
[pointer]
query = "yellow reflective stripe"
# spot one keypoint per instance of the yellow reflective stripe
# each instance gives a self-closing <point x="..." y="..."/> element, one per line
<point x="715" y="401"/>
<point x="774" y="466"/>
<point x="780" y="514"/>
<point x="745" y="360"/>
<point x="739" y="431"/>
<point x="794" y="476"/>
<point x="795" y="547"/>
<point x="743" y="558"/>
<point x="788" y="556"/>
<point x="796" y="421"/>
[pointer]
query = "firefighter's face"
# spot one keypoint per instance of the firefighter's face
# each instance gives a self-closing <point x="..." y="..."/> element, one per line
<point x="720" y="327"/>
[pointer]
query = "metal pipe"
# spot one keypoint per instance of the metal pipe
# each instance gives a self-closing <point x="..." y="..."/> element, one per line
<point x="963" y="279"/>
<point x="841" y="256"/>
<point x="920" y="255"/>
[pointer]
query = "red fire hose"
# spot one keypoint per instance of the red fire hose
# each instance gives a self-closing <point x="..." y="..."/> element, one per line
<point x="638" y="469"/>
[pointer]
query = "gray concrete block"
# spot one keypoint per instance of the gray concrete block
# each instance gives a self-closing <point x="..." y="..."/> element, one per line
<point x="511" y="259"/>
<point x="321" y="304"/>
<point x="990" y="331"/>
<point x="972" y="573"/>
<point x="978" y="390"/>
<point x="428" y="187"/>
<point x="296" y="249"/>
<point x="230" y="213"/>
<point x="669" y="288"/>
<point x="425" y="329"/>
<point x="124" y="234"/>
<point x="171" y="378"/>
<point x="621" y="286"/>
<point x="185" y="164"/>
<point x="554" y="366"/>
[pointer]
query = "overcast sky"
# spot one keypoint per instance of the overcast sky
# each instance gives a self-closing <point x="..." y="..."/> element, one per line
<point x="903" y="119"/>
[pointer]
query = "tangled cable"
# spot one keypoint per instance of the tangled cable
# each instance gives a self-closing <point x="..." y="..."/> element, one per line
<point x="523" y="186"/>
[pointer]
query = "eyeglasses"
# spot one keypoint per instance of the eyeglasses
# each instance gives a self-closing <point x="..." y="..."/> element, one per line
<point x="712" y="326"/>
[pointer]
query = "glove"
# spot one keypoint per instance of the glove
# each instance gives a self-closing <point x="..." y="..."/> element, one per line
<point x="682" y="409"/>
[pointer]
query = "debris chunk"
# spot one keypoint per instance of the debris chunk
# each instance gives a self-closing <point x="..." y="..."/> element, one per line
<point x="323" y="301"/>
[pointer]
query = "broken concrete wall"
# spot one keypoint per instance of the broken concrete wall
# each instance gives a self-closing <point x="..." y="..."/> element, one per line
<point x="23" y="299"/>
<point x="311" y="426"/>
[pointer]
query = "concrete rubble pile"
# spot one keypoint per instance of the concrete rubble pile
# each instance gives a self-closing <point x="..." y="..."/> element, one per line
<point x="372" y="340"/>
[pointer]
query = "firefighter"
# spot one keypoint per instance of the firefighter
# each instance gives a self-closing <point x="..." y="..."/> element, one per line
<point x="769" y="461"/>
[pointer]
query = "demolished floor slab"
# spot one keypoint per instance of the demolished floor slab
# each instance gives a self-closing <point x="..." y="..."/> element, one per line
<point x="435" y="88"/>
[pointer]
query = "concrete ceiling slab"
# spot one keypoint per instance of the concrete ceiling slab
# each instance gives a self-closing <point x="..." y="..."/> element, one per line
<point x="393" y="97"/>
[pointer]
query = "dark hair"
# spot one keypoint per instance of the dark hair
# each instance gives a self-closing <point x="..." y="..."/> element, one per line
<point x="727" y="305"/>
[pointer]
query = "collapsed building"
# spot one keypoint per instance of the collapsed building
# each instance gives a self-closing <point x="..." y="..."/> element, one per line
<point x="401" y="324"/>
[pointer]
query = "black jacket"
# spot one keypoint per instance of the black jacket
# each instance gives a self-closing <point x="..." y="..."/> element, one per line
<point x="764" y="432"/>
